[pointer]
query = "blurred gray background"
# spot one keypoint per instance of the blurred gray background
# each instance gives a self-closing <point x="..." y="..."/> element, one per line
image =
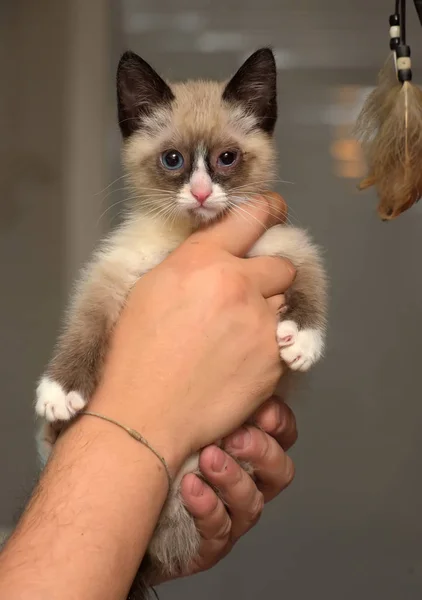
<point x="350" y="525"/>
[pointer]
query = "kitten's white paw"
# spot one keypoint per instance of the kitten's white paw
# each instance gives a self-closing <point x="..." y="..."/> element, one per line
<point x="299" y="348"/>
<point x="54" y="404"/>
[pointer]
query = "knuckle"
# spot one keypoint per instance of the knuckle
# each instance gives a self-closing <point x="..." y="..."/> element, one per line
<point x="259" y="327"/>
<point x="281" y="480"/>
<point x="289" y="417"/>
<point x="221" y="284"/>
<point x="264" y="325"/>
<point x="213" y="509"/>
<point x="238" y="476"/>
<point x="269" y="417"/>
<point x="289" y="471"/>
<point x="236" y="288"/>
<point x="294" y="436"/>
<point x="225" y="528"/>
<point x="227" y="285"/>
<point x="256" y="509"/>
<point x="263" y="447"/>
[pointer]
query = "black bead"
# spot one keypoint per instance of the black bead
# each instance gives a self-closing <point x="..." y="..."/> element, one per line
<point x="403" y="51"/>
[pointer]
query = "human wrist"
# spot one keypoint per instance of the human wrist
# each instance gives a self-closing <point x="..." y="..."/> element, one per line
<point x="159" y="432"/>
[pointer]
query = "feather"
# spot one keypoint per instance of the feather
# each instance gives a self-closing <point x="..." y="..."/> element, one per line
<point x="390" y="130"/>
<point x="375" y="107"/>
<point x="395" y="154"/>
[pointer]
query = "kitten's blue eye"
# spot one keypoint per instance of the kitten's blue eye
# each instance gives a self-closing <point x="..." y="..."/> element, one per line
<point x="172" y="160"/>
<point x="227" y="159"/>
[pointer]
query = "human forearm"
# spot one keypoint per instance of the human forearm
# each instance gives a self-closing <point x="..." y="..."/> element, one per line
<point x="90" y="520"/>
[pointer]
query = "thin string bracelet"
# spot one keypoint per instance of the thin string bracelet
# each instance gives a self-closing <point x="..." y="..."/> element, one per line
<point x="136" y="436"/>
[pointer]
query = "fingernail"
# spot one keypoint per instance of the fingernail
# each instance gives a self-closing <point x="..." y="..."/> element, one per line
<point x="197" y="487"/>
<point x="219" y="461"/>
<point x="241" y="439"/>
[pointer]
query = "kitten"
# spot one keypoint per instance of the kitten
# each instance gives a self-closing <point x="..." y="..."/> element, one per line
<point x="191" y="151"/>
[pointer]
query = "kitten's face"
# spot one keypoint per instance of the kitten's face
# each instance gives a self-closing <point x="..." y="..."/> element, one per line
<point x="200" y="148"/>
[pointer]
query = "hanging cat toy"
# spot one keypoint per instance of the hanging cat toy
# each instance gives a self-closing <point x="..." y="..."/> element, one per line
<point x="390" y="126"/>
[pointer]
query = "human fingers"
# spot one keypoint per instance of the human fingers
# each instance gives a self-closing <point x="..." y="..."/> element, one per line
<point x="277" y="419"/>
<point x="211" y="519"/>
<point x="273" y="275"/>
<point x="273" y="469"/>
<point x="237" y="489"/>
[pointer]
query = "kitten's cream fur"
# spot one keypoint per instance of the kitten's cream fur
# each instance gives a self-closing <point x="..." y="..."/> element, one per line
<point x="201" y="119"/>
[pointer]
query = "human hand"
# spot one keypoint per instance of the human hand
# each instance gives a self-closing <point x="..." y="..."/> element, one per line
<point x="221" y="524"/>
<point x="196" y="341"/>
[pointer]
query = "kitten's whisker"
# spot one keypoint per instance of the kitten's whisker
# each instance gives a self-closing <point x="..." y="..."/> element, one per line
<point x="265" y="182"/>
<point x="154" y="211"/>
<point x="265" y="195"/>
<point x="159" y="210"/>
<point x="125" y="175"/>
<point x="160" y="214"/>
<point x="155" y="203"/>
<point x="292" y="213"/>
<point x="233" y="204"/>
<point x="176" y="213"/>
<point x="170" y="213"/>
<point x="131" y="199"/>
<point x="108" y="209"/>
<point x="242" y="213"/>
<point x="274" y="212"/>
<point x="148" y="189"/>
<point x="110" y="193"/>
<point x="251" y="198"/>
<point x="148" y="201"/>
<point x="274" y="208"/>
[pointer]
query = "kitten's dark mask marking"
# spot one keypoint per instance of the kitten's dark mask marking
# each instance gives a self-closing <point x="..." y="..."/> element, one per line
<point x="174" y="180"/>
<point x="140" y="90"/>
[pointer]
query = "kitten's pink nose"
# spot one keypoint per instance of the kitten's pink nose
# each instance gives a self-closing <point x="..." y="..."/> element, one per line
<point x="201" y="194"/>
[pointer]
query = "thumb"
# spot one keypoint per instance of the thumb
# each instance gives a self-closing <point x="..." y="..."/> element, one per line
<point x="244" y="224"/>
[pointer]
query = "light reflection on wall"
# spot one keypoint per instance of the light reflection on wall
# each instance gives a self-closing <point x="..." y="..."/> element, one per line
<point x="345" y="149"/>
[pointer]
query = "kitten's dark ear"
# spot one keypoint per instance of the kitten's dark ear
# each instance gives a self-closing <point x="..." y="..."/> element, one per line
<point x="139" y="90"/>
<point x="255" y="86"/>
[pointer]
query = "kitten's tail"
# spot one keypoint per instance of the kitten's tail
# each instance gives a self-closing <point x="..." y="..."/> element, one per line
<point x="141" y="589"/>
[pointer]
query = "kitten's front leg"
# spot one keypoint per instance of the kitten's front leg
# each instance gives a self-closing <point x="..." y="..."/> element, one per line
<point x="301" y="331"/>
<point x="74" y="371"/>
<point x="72" y="375"/>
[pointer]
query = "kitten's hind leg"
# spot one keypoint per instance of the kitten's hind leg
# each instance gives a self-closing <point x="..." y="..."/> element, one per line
<point x="301" y="331"/>
<point x="300" y="335"/>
